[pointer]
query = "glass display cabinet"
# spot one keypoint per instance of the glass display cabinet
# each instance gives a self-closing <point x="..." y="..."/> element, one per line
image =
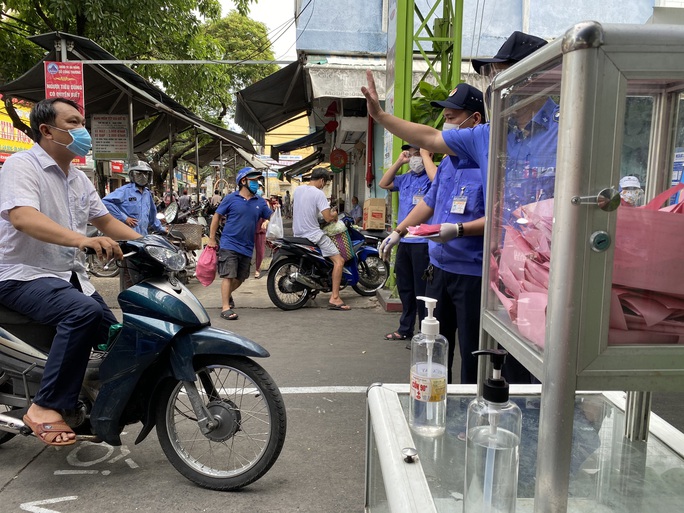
<point x="585" y="288"/>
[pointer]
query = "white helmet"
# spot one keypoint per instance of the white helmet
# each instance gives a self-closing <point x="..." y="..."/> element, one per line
<point x="140" y="174"/>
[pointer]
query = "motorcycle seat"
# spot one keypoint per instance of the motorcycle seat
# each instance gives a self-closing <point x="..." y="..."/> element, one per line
<point x="26" y="329"/>
<point x="299" y="240"/>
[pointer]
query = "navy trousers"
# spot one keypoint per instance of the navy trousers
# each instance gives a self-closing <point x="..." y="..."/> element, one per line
<point x="458" y="309"/>
<point x="409" y="266"/>
<point x="82" y="323"/>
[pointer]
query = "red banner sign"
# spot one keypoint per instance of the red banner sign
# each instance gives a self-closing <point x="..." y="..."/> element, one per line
<point x="64" y="80"/>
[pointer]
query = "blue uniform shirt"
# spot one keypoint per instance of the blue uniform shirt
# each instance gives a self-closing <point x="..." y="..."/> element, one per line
<point x="412" y="188"/>
<point x="128" y="201"/>
<point x="242" y="216"/>
<point x="457" y="179"/>
<point x="531" y="163"/>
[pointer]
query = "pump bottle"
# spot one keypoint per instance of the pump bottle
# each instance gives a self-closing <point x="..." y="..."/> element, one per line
<point x="492" y="442"/>
<point x="427" y="403"/>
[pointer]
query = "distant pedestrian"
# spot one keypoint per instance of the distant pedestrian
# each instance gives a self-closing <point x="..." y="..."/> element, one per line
<point x="184" y="201"/>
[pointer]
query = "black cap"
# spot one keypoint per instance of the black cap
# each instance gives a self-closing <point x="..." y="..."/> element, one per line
<point x="518" y="46"/>
<point x="318" y="173"/>
<point x="409" y="146"/>
<point x="464" y="97"/>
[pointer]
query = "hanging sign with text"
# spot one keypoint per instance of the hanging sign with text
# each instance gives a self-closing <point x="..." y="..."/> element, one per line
<point x="110" y="136"/>
<point x="64" y="80"/>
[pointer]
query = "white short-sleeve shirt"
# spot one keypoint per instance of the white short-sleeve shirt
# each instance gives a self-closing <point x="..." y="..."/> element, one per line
<point x="33" y="179"/>
<point x="309" y="201"/>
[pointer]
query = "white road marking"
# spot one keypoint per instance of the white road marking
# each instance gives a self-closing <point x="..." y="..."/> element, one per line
<point x="75" y="472"/>
<point x="34" y="507"/>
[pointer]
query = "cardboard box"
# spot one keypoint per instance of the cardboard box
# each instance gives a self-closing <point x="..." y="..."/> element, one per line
<point x="374" y="214"/>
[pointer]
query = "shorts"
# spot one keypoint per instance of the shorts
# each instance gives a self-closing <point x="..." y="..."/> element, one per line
<point x="233" y="265"/>
<point x="327" y="246"/>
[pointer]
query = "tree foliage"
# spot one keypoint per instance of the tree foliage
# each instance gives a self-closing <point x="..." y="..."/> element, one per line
<point x="146" y="30"/>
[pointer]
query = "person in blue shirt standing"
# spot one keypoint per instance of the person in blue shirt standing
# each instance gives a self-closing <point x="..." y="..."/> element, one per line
<point x="412" y="254"/>
<point x="454" y="276"/>
<point x="133" y="203"/>
<point x="531" y="150"/>
<point x="242" y="211"/>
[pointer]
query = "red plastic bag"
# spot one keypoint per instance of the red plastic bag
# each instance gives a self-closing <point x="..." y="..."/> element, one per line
<point x="206" y="265"/>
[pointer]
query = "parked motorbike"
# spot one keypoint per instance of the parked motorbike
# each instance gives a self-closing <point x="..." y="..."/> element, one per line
<point x="219" y="416"/>
<point x="299" y="271"/>
<point x="95" y="266"/>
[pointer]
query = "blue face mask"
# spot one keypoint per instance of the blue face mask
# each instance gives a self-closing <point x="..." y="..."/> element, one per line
<point x="81" y="141"/>
<point x="259" y="193"/>
<point x="253" y="187"/>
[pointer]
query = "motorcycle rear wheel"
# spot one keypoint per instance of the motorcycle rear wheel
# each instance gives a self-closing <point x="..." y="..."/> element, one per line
<point x="373" y="273"/>
<point x="252" y="424"/>
<point x="96" y="267"/>
<point x="284" y="292"/>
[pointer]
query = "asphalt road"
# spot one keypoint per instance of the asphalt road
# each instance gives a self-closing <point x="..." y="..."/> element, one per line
<point x="322" y="360"/>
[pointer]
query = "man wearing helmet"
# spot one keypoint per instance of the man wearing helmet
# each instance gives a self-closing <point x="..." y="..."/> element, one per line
<point x="133" y="203"/>
<point x="242" y="210"/>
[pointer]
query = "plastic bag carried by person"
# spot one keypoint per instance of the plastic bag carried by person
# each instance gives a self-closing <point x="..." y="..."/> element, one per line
<point x="275" y="226"/>
<point x="206" y="265"/>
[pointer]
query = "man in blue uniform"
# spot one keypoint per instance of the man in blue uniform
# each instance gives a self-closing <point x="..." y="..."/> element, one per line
<point x="528" y="143"/>
<point x="412" y="254"/>
<point x="454" y="276"/>
<point x="242" y="210"/>
<point x="133" y="203"/>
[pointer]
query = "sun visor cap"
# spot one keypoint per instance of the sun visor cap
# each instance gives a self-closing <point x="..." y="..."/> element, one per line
<point x="247" y="172"/>
<point x="629" y="181"/>
<point x="518" y="46"/>
<point x="464" y="97"/>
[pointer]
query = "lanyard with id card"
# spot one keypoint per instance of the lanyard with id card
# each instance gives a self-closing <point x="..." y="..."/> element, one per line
<point x="458" y="204"/>
<point x="417" y="198"/>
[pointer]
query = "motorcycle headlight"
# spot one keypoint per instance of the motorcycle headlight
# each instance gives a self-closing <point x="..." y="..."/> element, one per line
<point x="170" y="258"/>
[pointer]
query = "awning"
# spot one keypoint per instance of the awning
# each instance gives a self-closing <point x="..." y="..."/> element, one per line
<point x="108" y="88"/>
<point x="302" y="166"/>
<point x="341" y="76"/>
<point x="313" y="139"/>
<point x="272" y="101"/>
<point x="212" y="151"/>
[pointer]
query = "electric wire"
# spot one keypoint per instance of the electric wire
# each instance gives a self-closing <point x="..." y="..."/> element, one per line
<point x="2" y="13"/>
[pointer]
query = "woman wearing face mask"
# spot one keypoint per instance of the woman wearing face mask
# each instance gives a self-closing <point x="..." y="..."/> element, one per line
<point x="412" y="254"/>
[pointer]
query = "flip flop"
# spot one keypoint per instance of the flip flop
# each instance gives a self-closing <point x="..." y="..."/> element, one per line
<point x="257" y="275"/>
<point x="47" y="432"/>
<point x="341" y="308"/>
<point x="395" y="336"/>
<point x="229" y="315"/>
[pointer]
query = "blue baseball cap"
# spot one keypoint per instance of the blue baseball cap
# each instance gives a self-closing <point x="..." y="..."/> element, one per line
<point x="247" y="172"/>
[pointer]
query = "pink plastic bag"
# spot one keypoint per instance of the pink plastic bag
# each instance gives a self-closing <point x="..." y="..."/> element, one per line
<point x="648" y="247"/>
<point x="206" y="265"/>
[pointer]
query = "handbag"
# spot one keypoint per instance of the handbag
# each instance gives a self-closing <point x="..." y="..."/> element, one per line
<point x="206" y="265"/>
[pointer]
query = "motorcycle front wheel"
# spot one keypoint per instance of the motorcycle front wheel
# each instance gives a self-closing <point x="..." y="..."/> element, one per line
<point x="250" y="434"/>
<point x="97" y="267"/>
<point x="284" y="291"/>
<point x="373" y="273"/>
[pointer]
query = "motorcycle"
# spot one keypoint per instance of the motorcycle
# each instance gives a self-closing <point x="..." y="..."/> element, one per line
<point x="95" y="266"/>
<point x="299" y="271"/>
<point x="219" y="416"/>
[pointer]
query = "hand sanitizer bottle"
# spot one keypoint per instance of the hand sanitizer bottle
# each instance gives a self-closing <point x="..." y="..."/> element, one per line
<point x="427" y="404"/>
<point x="492" y="442"/>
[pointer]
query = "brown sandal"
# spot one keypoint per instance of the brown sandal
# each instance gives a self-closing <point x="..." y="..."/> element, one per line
<point x="48" y="432"/>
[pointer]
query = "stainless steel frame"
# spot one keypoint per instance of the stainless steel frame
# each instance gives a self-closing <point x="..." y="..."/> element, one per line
<point x="599" y="65"/>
